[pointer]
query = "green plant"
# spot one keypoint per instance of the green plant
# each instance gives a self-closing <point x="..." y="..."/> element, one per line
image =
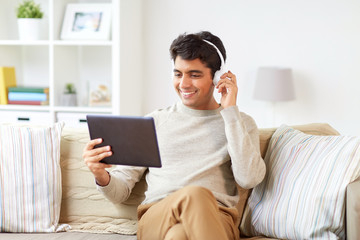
<point x="28" y="9"/>
<point x="70" y="88"/>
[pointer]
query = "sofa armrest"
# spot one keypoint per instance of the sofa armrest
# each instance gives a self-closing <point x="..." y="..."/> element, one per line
<point x="353" y="210"/>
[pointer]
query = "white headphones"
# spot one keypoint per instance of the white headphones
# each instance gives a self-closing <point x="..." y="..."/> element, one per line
<point x="222" y="69"/>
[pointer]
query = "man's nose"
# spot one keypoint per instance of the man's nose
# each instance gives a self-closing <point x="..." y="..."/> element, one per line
<point x="185" y="82"/>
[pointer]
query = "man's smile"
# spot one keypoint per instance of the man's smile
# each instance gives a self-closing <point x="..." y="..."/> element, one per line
<point x="187" y="94"/>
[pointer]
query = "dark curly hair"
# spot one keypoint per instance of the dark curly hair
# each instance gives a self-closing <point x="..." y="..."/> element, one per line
<point x="192" y="46"/>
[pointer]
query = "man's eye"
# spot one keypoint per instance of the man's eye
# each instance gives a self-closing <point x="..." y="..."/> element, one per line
<point x="177" y="74"/>
<point x="195" y="75"/>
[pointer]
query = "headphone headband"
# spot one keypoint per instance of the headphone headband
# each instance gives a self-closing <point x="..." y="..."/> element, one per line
<point x="217" y="50"/>
<point x="222" y="69"/>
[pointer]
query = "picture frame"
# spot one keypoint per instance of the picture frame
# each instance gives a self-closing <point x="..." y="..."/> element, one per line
<point x="87" y="21"/>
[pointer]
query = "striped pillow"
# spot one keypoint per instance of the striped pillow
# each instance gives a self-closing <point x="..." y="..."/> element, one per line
<point x="30" y="178"/>
<point x="303" y="193"/>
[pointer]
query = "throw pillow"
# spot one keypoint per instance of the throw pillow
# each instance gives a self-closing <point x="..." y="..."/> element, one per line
<point x="303" y="193"/>
<point x="30" y="178"/>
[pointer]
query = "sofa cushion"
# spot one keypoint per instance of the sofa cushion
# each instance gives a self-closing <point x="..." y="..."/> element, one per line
<point x="30" y="178"/>
<point x="353" y="210"/>
<point x="83" y="206"/>
<point x="303" y="193"/>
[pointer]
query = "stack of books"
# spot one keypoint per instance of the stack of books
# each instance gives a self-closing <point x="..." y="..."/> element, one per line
<point x="28" y="95"/>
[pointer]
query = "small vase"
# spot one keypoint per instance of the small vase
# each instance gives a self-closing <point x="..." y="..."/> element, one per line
<point x="29" y="28"/>
<point x="69" y="99"/>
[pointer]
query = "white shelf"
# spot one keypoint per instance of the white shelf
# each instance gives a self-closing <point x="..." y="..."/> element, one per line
<point x="82" y="43"/>
<point x="14" y="107"/>
<point x="83" y="109"/>
<point x="53" y="62"/>
<point x="24" y="43"/>
<point x="55" y="43"/>
<point x="25" y="107"/>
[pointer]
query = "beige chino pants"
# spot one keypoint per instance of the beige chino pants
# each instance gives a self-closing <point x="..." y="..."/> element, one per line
<point x="191" y="213"/>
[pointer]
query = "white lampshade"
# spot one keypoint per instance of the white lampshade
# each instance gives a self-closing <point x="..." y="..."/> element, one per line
<point x="274" y="84"/>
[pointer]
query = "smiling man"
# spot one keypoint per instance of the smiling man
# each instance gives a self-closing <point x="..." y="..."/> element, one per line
<point x="193" y="83"/>
<point x="206" y="148"/>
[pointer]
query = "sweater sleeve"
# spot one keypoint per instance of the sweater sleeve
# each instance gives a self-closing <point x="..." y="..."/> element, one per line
<point x="244" y="147"/>
<point x="122" y="181"/>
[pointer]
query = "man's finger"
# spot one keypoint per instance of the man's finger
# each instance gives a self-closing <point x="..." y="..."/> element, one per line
<point x="91" y="144"/>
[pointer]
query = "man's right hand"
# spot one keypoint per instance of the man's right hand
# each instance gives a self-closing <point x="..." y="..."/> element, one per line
<point x="92" y="157"/>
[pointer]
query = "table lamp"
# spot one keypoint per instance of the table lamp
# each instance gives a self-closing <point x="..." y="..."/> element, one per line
<point x="274" y="84"/>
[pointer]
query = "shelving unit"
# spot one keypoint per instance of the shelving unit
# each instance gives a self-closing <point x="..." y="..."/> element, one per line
<point x="52" y="62"/>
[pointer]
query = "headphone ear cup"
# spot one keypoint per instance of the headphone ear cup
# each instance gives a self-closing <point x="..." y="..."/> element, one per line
<point x="218" y="74"/>
<point x="216" y="77"/>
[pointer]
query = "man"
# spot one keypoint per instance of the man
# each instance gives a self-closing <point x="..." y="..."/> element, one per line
<point x="206" y="148"/>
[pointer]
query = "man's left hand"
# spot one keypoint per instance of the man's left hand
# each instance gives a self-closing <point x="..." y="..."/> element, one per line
<point x="227" y="86"/>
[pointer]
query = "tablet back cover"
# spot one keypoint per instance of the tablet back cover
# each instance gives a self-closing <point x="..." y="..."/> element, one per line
<point x="133" y="140"/>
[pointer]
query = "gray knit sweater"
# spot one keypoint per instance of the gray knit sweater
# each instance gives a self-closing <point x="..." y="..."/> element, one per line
<point x="210" y="148"/>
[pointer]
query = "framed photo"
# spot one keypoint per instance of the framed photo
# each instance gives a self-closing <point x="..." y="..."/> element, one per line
<point x="87" y="21"/>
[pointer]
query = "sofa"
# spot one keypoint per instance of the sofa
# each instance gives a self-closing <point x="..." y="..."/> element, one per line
<point x="91" y="216"/>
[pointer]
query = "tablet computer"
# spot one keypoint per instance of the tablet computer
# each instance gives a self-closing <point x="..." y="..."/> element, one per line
<point x="132" y="139"/>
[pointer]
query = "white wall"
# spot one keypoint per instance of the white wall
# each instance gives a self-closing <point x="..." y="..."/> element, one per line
<point x="131" y="54"/>
<point x="319" y="40"/>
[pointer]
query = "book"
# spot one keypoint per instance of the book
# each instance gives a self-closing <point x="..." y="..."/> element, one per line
<point x="25" y="96"/>
<point x="7" y="79"/>
<point x="28" y="102"/>
<point x="29" y="89"/>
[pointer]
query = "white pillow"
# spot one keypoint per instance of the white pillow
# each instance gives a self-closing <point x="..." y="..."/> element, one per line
<point x="30" y="178"/>
<point x="303" y="193"/>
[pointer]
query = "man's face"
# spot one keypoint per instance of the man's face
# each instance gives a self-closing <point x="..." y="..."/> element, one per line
<point x="193" y="83"/>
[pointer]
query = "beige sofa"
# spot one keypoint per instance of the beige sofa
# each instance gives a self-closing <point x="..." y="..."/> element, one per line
<point x="91" y="216"/>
